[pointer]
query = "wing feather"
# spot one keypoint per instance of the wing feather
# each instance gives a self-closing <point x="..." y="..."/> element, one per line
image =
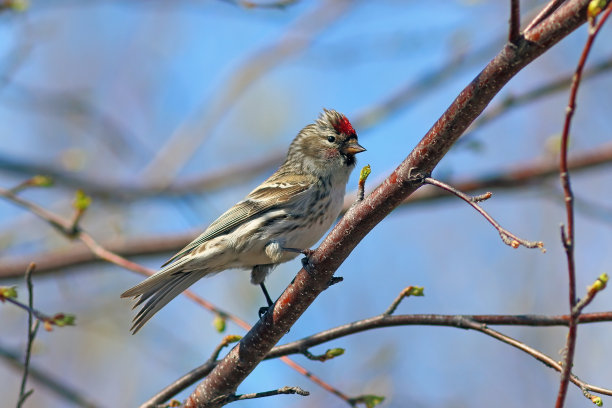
<point x="279" y="190"/>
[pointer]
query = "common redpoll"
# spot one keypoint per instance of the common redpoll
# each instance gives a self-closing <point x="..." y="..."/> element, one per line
<point x="290" y="210"/>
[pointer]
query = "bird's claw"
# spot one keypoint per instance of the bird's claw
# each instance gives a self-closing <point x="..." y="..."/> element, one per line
<point x="307" y="252"/>
<point x="262" y="311"/>
<point x="334" y="279"/>
<point x="307" y="264"/>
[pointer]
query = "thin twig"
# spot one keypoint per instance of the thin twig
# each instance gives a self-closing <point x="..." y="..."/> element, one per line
<point x="32" y="330"/>
<point x="544" y="14"/>
<point x="59" y="319"/>
<point x="549" y="361"/>
<point x="363" y="176"/>
<point x="36" y="313"/>
<point x="599" y="285"/>
<point x="328" y="355"/>
<point x="567" y="231"/>
<point x="409" y="291"/>
<point x="312" y="377"/>
<point x="515" y="22"/>
<point x="51" y="382"/>
<point x="507" y="237"/>
<point x="227" y="340"/>
<point x="515" y="101"/>
<point x="226" y="399"/>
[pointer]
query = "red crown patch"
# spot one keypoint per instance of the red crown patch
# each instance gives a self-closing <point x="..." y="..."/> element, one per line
<point x="344" y="126"/>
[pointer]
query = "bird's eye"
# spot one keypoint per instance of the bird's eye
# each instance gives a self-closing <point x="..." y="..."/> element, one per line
<point x="331" y="139"/>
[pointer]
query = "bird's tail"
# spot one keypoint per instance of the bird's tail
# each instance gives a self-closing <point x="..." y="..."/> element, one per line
<point x="159" y="289"/>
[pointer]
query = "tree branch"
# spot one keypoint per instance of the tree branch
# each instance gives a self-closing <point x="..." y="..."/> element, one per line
<point x="32" y="330"/>
<point x="210" y="180"/>
<point x="507" y="237"/>
<point x="567" y="231"/>
<point x="225" y="399"/>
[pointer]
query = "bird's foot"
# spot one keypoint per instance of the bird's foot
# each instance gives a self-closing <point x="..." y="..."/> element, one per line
<point x="264" y="309"/>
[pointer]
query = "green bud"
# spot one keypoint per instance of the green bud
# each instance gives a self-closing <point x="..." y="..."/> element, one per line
<point x="232" y="338"/>
<point x="365" y="172"/>
<point x="41" y="181"/>
<point x="415" y="291"/>
<point x="335" y="352"/>
<point x="372" y="400"/>
<point x="600" y="283"/>
<point x="219" y="324"/>
<point x="19" y="5"/>
<point x="81" y="201"/>
<point x="8" y="292"/>
<point x="62" y="319"/>
<point x="595" y="7"/>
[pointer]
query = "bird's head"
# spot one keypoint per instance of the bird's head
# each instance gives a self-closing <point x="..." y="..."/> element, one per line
<point x="326" y="145"/>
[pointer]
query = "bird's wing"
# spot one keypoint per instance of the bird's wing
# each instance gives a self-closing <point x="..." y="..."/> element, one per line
<point x="278" y="190"/>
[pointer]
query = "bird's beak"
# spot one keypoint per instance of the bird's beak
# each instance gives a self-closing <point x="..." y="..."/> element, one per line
<point x="352" y="148"/>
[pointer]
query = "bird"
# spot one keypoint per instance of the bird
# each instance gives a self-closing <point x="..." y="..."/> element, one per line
<point x="282" y="217"/>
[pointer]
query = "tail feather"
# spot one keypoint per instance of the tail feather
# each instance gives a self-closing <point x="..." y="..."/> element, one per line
<point x="160" y="296"/>
<point x="159" y="289"/>
<point x="155" y="280"/>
